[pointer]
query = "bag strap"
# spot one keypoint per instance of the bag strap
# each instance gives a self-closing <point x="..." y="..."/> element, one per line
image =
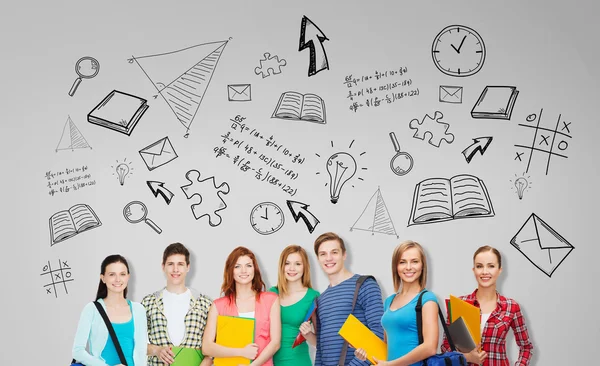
<point x="359" y="283"/>
<point x="111" y="330"/>
<point x="419" y="309"/>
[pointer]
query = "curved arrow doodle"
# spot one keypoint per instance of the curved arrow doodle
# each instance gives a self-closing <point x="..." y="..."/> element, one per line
<point x="317" y="54"/>
<point x="300" y="210"/>
<point x="479" y="144"/>
<point x="159" y="188"/>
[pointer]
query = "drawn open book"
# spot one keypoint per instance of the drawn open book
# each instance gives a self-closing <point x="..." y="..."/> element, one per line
<point x="440" y="199"/>
<point x="296" y="106"/>
<point x="68" y="223"/>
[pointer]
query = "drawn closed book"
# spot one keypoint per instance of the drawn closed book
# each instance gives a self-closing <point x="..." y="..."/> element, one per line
<point x="461" y="336"/>
<point x="236" y="332"/>
<point x="359" y="336"/>
<point x="495" y="102"/>
<point x="471" y="316"/>
<point x="118" y="111"/>
<point x="187" y="356"/>
<point x="311" y="311"/>
<point x="440" y="199"/>
<point x="296" y="106"/>
<point x="68" y="223"/>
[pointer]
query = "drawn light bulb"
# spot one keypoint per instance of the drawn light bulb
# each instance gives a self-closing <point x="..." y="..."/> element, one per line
<point x="521" y="184"/>
<point x="122" y="171"/>
<point x="341" y="167"/>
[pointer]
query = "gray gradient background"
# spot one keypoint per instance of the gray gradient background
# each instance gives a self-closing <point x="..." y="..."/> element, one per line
<point x="547" y="49"/>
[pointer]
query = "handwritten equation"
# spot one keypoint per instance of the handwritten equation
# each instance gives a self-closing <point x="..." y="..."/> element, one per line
<point x="390" y="87"/>
<point x="68" y="180"/>
<point x="266" y="157"/>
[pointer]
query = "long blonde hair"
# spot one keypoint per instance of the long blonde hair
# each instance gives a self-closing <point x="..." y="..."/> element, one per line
<point x="281" y="280"/>
<point x="400" y="249"/>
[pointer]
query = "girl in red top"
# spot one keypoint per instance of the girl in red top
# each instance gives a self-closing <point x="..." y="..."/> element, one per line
<point x="245" y="296"/>
<point x="498" y="314"/>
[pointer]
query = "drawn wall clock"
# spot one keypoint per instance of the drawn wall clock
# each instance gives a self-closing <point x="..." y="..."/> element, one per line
<point x="458" y="51"/>
<point x="266" y="218"/>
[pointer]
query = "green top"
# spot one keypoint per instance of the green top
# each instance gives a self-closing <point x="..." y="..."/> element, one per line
<point x="291" y="318"/>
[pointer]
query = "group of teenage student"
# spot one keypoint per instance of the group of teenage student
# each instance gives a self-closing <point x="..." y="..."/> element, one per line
<point x="177" y="316"/>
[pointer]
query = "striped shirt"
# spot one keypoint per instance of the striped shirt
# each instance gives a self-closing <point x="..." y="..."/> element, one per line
<point x="333" y="307"/>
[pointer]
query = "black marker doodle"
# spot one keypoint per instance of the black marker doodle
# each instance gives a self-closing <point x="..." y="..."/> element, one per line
<point x="239" y="93"/>
<point x="458" y="51"/>
<point x="136" y="212"/>
<point x="68" y="223"/>
<point x="87" y="68"/>
<point x="375" y="217"/>
<point x="340" y="166"/>
<point x="122" y="170"/>
<point x="479" y="144"/>
<point x="434" y="127"/>
<point x="71" y="138"/>
<point x="299" y="211"/>
<point x="270" y="65"/>
<point x="158" y="153"/>
<point x="439" y="199"/>
<point x="318" y="57"/>
<point x="521" y="184"/>
<point x="544" y="139"/>
<point x="159" y="188"/>
<point x="68" y="180"/>
<point x="60" y="276"/>
<point x="181" y="86"/>
<point x="266" y="218"/>
<point x="210" y="195"/>
<point x="495" y="102"/>
<point x="451" y="94"/>
<point x="402" y="162"/>
<point x="370" y="95"/>
<point x="118" y="111"/>
<point x="541" y="245"/>
<point x="300" y="107"/>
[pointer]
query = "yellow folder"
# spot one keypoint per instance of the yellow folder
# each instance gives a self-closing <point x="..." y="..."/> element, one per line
<point x="237" y="332"/>
<point x="359" y="336"/>
<point x="470" y="314"/>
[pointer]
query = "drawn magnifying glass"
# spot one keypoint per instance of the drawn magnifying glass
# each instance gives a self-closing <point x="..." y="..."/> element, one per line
<point x="402" y="162"/>
<point x="136" y="212"/>
<point x="86" y="67"/>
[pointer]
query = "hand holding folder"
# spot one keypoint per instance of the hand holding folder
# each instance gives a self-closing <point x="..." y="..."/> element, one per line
<point x="187" y="356"/>
<point x="309" y="314"/>
<point x="359" y="336"/>
<point x="236" y="332"/>
<point x="470" y="314"/>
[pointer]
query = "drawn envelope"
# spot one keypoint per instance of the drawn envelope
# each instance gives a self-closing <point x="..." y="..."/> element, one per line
<point x="543" y="246"/>
<point x="451" y="94"/>
<point x="158" y="153"/>
<point x="238" y="92"/>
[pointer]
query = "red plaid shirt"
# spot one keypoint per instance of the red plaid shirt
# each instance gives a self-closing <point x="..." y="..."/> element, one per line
<point x="493" y="338"/>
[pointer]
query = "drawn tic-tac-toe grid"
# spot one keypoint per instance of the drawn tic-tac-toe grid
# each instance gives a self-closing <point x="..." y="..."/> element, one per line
<point x="57" y="278"/>
<point x="546" y="141"/>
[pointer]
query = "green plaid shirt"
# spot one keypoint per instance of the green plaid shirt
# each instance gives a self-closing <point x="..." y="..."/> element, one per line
<point x="195" y="321"/>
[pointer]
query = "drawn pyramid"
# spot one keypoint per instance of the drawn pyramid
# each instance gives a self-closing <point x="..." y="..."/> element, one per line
<point x="375" y="217"/>
<point x="71" y="137"/>
<point x="182" y="76"/>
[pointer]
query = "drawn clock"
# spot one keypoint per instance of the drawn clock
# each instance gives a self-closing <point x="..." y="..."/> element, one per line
<point x="458" y="51"/>
<point x="266" y="218"/>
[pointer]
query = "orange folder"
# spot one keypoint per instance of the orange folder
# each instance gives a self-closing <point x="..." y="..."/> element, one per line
<point x="237" y="332"/>
<point x="470" y="314"/>
<point x="359" y="336"/>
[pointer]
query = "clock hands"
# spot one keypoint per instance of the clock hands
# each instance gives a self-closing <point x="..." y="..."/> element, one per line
<point x="459" y="46"/>
<point x="266" y="217"/>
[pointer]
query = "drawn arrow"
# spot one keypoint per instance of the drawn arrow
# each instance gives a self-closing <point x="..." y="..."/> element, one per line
<point x="479" y="144"/>
<point x="300" y="210"/>
<point x="159" y="188"/>
<point x="317" y="54"/>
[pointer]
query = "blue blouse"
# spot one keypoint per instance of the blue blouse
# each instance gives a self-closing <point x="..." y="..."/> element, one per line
<point x="124" y="332"/>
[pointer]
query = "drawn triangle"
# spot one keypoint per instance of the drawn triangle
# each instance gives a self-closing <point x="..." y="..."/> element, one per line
<point x="71" y="137"/>
<point x="375" y="217"/>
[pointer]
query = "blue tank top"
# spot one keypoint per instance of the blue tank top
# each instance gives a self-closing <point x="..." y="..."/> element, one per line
<point x="124" y="332"/>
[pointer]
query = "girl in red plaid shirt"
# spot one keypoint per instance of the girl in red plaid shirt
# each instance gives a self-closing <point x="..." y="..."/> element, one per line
<point x="498" y="314"/>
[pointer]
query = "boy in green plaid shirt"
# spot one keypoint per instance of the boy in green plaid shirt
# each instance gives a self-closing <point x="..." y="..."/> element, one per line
<point x="176" y="314"/>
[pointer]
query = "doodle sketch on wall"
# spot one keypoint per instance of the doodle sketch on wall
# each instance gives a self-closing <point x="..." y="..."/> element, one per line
<point x="451" y="94"/>
<point x="159" y="188"/>
<point x="158" y="153"/>
<point x="86" y="68"/>
<point x="521" y="184"/>
<point x="312" y="37"/>
<point x="479" y="144"/>
<point x="122" y="169"/>
<point x="136" y="212"/>
<point x="68" y="223"/>
<point x="375" y="217"/>
<point x="441" y="199"/>
<point x="72" y="138"/>
<point x="118" y="111"/>
<point x="458" y="51"/>
<point x="270" y="65"/>
<point x="266" y="218"/>
<point x="299" y="211"/>
<point x="495" y="102"/>
<point x="209" y="195"/>
<point x="300" y="107"/>
<point x="57" y="277"/>
<point x="432" y="127"/>
<point x="401" y="163"/>
<point x="239" y="93"/>
<point x="182" y="87"/>
<point x="541" y="245"/>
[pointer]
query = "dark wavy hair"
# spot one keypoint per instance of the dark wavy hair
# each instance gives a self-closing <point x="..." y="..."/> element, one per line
<point x="115" y="258"/>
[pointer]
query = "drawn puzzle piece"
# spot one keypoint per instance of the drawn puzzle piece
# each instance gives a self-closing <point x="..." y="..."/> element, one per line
<point x="274" y="64"/>
<point x="434" y="127"/>
<point x="211" y="200"/>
